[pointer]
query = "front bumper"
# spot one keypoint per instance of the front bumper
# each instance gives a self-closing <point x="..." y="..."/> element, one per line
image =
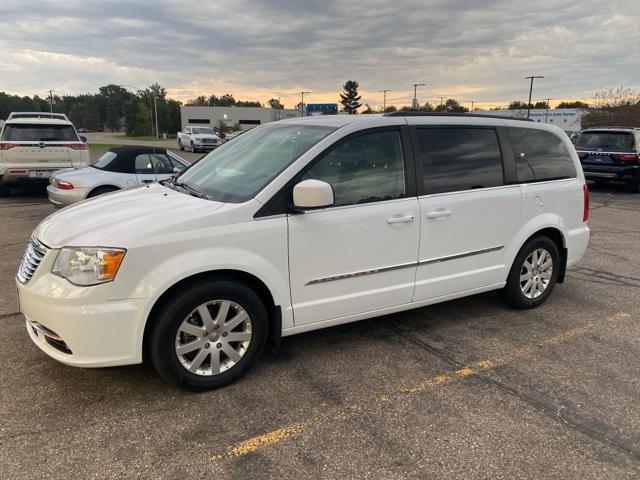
<point x="62" y="198"/>
<point x="79" y="326"/>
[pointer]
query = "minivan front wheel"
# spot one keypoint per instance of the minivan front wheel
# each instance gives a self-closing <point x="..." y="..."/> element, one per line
<point x="533" y="274"/>
<point x="208" y="335"/>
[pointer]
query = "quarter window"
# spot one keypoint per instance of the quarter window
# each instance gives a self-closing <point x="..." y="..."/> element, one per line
<point x="458" y="159"/>
<point x="540" y="155"/>
<point x="366" y="168"/>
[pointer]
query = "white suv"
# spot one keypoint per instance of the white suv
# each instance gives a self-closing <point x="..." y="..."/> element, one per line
<point x="35" y="144"/>
<point x="299" y="225"/>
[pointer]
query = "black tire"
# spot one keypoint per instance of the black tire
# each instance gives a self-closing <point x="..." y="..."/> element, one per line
<point x="162" y="341"/>
<point x="512" y="292"/>
<point x="634" y="186"/>
<point x="101" y="191"/>
<point x="193" y="147"/>
<point x="180" y="145"/>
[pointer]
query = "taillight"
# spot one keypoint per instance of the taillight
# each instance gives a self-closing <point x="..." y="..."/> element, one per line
<point x="585" y="207"/>
<point x="628" y="157"/>
<point x="62" y="185"/>
<point x="7" y="145"/>
<point x="77" y="146"/>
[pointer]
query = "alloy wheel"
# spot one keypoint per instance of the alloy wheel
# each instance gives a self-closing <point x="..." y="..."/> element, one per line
<point x="536" y="272"/>
<point x="213" y="337"/>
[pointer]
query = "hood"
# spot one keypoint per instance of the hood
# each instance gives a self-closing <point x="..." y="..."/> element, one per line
<point x="204" y="135"/>
<point x="119" y="219"/>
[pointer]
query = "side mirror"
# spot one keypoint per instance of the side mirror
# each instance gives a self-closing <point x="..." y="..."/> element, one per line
<point x="310" y="194"/>
<point x="176" y="170"/>
<point x="83" y="138"/>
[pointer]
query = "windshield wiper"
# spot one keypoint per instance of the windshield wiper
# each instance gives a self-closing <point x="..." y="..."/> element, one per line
<point x="192" y="191"/>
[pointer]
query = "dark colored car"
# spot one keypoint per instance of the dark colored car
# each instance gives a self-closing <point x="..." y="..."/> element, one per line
<point x="611" y="154"/>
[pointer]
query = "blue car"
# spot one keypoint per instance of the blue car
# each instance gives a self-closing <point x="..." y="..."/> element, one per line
<point x="611" y="154"/>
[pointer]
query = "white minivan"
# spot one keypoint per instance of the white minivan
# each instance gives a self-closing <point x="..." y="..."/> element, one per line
<point x="303" y="224"/>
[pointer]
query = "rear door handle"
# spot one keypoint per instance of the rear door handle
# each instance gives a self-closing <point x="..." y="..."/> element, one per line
<point x="441" y="213"/>
<point x="405" y="219"/>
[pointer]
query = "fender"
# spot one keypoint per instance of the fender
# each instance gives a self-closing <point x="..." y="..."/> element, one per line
<point x="537" y="223"/>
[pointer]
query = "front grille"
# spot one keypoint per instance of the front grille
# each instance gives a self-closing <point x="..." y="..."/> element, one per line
<point x="209" y="140"/>
<point x="33" y="255"/>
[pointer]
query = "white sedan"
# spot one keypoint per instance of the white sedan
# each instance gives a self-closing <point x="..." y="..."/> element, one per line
<point x="118" y="169"/>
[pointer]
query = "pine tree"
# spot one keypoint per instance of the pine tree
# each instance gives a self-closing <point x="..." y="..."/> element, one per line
<point x="350" y="99"/>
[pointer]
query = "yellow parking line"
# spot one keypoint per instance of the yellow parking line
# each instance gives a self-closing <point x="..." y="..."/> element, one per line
<point x="276" y="436"/>
<point x="269" y="438"/>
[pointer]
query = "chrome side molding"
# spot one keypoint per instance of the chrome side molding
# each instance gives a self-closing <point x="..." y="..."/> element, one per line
<point x="372" y="271"/>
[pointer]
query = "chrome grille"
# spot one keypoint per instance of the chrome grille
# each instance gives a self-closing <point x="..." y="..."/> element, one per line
<point x="33" y="255"/>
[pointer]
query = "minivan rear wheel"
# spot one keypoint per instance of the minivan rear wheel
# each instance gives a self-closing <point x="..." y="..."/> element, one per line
<point x="208" y="335"/>
<point x="533" y="274"/>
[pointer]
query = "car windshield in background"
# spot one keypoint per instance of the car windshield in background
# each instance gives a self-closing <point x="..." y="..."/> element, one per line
<point x="238" y="170"/>
<point x="104" y="161"/>
<point x="24" y="132"/>
<point x="202" y="131"/>
<point x="606" y="140"/>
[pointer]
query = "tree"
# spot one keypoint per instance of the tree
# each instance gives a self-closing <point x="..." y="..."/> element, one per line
<point x="350" y="99"/>
<point x="248" y="103"/>
<point x="617" y="106"/>
<point x="518" y="105"/>
<point x="451" y="105"/>
<point x="574" y="104"/>
<point x="226" y="100"/>
<point x="390" y="108"/>
<point x="276" y="104"/>
<point x="368" y="110"/>
<point x="541" y="105"/>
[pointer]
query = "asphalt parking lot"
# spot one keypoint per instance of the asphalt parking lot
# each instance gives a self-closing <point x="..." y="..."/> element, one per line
<point x="464" y="389"/>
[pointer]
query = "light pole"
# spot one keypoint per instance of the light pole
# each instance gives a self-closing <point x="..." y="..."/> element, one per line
<point x="302" y="103"/>
<point x="530" y="91"/>
<point x="384" y="99"/>
<point x="415" y="96"/>
<point x="546" y="114"/>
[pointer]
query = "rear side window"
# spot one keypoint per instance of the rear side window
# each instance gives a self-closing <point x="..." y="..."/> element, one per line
<point x="366" y="168"/>
<point x="459" y="158"/>
<point x="540" y="155"/>
<point x="24" y="132"/>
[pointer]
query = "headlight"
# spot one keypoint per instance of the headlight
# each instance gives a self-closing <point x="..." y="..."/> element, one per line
<point x="88" y="266"/>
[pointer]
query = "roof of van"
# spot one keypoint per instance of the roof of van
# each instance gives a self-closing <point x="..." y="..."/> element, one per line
<point x="46" y="121"/>
<point x="431" y="118"/>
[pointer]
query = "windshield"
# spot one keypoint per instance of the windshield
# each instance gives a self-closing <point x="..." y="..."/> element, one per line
<point x="608" y="140"/>
<point x="238" y="170"/>
<point x="104" y="160"/>
<point x="25" y="132"/>
<point x="202" y="131"/>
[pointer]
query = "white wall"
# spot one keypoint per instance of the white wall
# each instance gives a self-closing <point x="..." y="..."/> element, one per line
<point x="235" y="115"/>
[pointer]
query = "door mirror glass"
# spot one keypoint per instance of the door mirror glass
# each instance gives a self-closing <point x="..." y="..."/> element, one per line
<point x="310" y="194"/>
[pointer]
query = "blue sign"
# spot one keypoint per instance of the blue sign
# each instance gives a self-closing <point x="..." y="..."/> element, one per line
<point x="312" y="109"/>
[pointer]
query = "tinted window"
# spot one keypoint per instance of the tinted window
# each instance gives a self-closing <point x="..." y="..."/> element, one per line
<point x="366" y="168"/>
<point x="459" y="158"/>
<point x="202" y="131"/>
<point x="609" y="140"/>
<point x="39" y="133"/>
<point x="540" y="155"/>
<point x="237" y="170"/>
<point x="143" y="164"/>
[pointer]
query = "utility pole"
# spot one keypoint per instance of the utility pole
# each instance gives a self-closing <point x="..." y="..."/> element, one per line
<point x="384" y="99"/>
<point x="415" y="96"/>
<point x="547" y="112"/>
<point x="156" y="109"/>
<point x="472" y="103"/>
<point x="532" y="77"/>
<point x="51" y="101"/>
<point x="302" y="103"/>
<point x="441" y="100"/>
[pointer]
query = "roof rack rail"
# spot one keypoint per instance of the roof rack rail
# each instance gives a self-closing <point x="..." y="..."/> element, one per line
<point x="53" y="116"/>
<point x="452" y="114"/>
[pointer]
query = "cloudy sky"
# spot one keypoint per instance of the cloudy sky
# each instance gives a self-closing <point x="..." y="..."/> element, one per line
<point x="472" y="50"/>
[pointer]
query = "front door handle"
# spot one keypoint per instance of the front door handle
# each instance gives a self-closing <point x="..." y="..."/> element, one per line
<point x="405" y="219"/>
<point x="147" y="181"/>
<point x="441" y="213"/>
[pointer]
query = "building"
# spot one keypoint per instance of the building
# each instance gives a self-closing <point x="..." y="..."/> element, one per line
<point x="568" y="119"/>
<point x="245" y="117"/>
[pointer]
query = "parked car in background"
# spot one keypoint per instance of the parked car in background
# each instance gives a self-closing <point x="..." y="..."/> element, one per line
<point x="33" y="145"/>
<point x="118" y="169"/>
<point x="304" y="224"/>
<point x="611" y="154"/>
<point x="195" y="138"/>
